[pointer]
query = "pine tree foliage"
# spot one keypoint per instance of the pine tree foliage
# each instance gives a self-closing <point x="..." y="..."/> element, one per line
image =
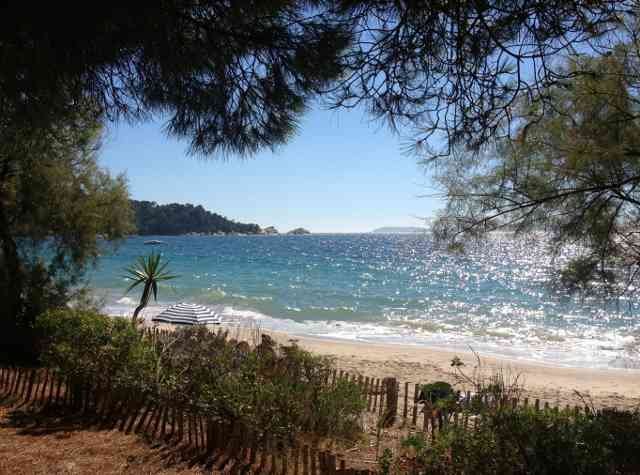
<point x="231" y="77"/>
<point x="235" y="76"/>
<point x="572" y="172"/>
<point x="57" y="208"/>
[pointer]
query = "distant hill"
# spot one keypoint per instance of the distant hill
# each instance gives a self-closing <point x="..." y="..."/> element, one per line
<point x="299" y="231"/>
<point x="175" y="218"/>
<point x="399" y="230"/>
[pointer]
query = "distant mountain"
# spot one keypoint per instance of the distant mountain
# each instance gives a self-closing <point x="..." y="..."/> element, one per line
<point x="399" y="230"/>
<point x="175" y="218"/>
<point x="299" y="231"/>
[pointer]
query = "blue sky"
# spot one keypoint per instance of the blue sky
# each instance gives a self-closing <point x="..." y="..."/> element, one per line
<point x="340" y="173"/>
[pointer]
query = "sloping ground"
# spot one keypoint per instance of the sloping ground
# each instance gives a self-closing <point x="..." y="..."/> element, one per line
<point x="55" y="446"/>
<point x="39" y="443"/>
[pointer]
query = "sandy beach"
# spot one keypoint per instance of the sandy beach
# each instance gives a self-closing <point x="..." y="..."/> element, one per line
<point x="556" y="385"/>
<point x="553" y="384"/>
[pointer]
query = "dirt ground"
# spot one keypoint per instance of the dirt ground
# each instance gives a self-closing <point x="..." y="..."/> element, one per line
<point x="37" y="443"/>
<point x="54" y="446"/>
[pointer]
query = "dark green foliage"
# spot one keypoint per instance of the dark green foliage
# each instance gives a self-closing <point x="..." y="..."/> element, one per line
<point x="173" y="219"/>
<point x="277" y="390"/>
<point x="280" y="390"/>
<point x="57" y="209"/>
<point x="438" y="392"/>
<point x="617" y="431"/>
<point x="229" y="76"/>
<point x="386" y="461"/>
<point x="416" y="441"/>
<point x="234" y="76"/>
<point x="453" y="69"/>
<point x="580" y="273"/>
<point x="88" y="347"/>
<point x="525" y="441"/>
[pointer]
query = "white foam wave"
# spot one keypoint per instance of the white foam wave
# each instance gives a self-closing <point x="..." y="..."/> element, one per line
<point x="594" y="349"/>
<point x="126" y="301"/>
<point x="604" y="352"/>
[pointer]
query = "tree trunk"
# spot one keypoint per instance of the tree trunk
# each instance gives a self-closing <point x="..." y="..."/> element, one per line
<point x="138" y="309"/>
<point x="13" y="273"/>
<point x="144" y="300"/>
<point x="13" y="346"/>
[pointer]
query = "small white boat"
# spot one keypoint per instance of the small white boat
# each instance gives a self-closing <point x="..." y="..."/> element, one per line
<point x="153" y="242"/>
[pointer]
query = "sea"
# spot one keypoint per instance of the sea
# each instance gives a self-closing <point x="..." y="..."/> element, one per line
<point x="497" y="298"/>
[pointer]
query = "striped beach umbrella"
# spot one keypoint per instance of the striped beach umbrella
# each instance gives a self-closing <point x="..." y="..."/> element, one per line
<point x="188" y="313"/>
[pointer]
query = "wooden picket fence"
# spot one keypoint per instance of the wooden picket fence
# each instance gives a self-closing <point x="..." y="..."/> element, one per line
<point x="232" y="448"/>
<point x="391" y="402"/>
<point x="402" y="408"/>
<point x="396" y="406"/>
<point x="236" y="448"/>
<point x="381" y="395"/>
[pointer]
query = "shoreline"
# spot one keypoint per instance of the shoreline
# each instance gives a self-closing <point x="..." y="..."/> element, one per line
<point x="440" y="348"/>
<point x="416" y="364"/>
<point x="557" y="385"/>
<point x="581" y="354"/>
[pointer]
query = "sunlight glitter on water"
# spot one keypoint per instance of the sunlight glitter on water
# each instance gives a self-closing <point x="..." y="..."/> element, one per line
<point x="497" y="297"/>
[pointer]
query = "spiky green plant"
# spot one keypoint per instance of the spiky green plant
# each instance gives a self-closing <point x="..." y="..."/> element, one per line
<point x="148" y="270"/>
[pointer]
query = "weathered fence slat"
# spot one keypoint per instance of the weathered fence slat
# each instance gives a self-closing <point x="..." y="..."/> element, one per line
<point x="158" y="417"/>
<point x="18" y="381"/>
<point x="296" y="460"/>
<point x="305" y="460"/>
<point x="203" y="435"/>
<point x="232" y="447"/>
<point x="180" y="426"/>
<point x="375" y="395"/>
<point x="414" y="420"/>
<point x="14" y="381"/>
<point x="143" y="418"/>
<point x="253" y="456"/>
<point x="6" y="378"/>
<point x="314" y="460"/>
<point x="263" y="456"/>
<point x="58" y="397"/>
<point x="138" y="406"/>
<point x="32" y="380"/>
<point x="406" y="401"/>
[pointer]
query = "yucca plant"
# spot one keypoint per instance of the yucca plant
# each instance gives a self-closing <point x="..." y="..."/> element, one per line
<point x="148" y="270"/>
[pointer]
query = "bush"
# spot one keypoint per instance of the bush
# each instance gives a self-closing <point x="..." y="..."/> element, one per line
<point x="282" y="390"/>
<point x="274" y="389"/>
<point x="526" y="441"/>
<point x="89" y="347"/>
<point x="439" y="393"/>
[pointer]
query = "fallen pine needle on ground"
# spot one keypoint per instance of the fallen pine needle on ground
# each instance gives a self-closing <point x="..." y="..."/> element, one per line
<point x="53" y="446"/>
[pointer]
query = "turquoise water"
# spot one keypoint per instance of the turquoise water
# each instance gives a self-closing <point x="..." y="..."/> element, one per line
<point x="392" y="288"/>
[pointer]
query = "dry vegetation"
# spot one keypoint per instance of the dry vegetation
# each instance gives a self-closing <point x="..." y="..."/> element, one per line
<point x="50" y="445"/>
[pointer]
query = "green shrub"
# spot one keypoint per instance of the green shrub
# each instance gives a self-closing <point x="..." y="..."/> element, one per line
<point x="436" y="393"/>
<point x="386" y="461"/>
<point x="525" y="441"/>
<point x="86" y="346"/>
<point x="338" y="409"/>
<point x="282" y="390"/>
<point x="274" y="389"/>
